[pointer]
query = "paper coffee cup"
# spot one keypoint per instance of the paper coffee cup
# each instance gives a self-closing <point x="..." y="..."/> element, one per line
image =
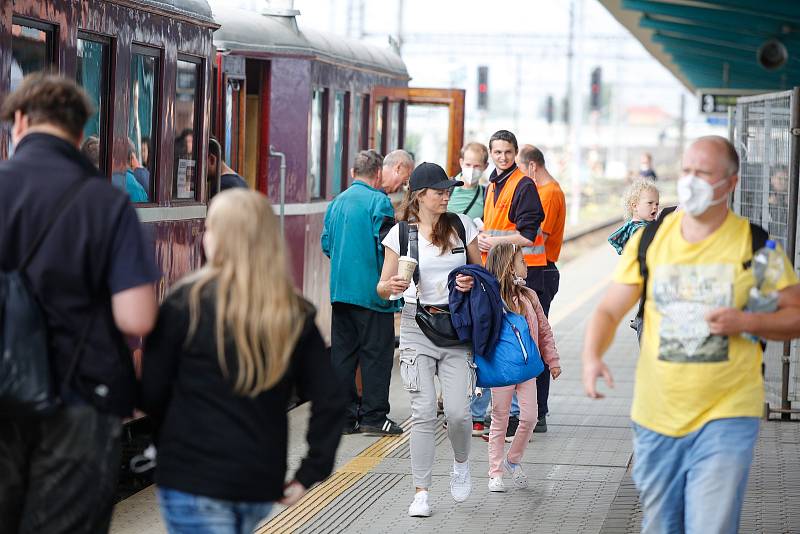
<point x="405" y="268"/>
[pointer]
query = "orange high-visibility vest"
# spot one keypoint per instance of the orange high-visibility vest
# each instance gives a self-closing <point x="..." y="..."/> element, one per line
<point x="496" y="223"/>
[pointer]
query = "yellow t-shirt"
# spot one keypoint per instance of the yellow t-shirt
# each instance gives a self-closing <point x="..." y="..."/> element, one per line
<point x="685" y="376"/>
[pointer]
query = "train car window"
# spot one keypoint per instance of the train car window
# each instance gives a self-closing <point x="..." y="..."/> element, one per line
<point x="186" y="91"/>
<point x="142" y="127"/>
<point x="233" y="105"/>
<point x="31" y="51"/>
<point x="92" y="75"/>
<point x="316" y="155"/>
<point x="379" y="125"/>
<point x="363" y="140"/>
<point x="354" y="134"/>
<point x="339" y="141"/>
<point x="394" y="129"/>
<point x="31" y="48"/>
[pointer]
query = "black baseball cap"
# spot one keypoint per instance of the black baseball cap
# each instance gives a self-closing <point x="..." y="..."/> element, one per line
<point x="431" y="176"/>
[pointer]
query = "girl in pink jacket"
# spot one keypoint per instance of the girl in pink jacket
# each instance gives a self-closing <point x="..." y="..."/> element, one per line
<point x="505" y="261"/>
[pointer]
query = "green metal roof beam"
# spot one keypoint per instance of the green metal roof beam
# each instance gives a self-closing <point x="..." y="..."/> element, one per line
<point x="778" y="9"/>
<point x="709" y="17"/>
<point x="742" y="51"/>
<point x="683" y="59"/>
<point x="733" y="59"/>
<point x="707" y="34"/>
<point x="704" y="80"/>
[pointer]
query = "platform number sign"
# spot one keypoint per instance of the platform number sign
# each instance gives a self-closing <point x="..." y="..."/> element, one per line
<point x="711" y="103"/>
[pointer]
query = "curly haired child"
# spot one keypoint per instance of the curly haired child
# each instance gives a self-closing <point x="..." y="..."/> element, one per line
<point x="640" y="203"/>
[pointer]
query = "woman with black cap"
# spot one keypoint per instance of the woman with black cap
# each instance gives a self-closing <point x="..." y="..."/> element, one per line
<point x="440" y="250"/>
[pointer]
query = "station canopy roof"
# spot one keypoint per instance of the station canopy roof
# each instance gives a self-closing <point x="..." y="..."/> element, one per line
<point x="716" y="43"/>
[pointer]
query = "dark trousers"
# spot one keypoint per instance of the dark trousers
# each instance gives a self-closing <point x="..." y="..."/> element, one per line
<point x="363" y="337"/>
<point x="544" y="280"/>
<point x="58" y="474"/>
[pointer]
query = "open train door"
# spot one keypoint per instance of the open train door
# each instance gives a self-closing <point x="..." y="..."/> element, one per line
<point x="429" y="123"/>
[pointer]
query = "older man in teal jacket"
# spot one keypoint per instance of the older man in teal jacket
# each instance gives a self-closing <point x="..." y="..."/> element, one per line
<point x="362" y="324"/>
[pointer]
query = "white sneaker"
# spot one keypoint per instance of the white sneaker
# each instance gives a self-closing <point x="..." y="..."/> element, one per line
<point x="496" y="484"/>
<point x="520" y="478"/>
<point x="460" y="482"/>
<point x="419" y="506"/>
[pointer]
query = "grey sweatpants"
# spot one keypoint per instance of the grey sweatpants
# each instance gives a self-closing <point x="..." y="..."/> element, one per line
<point x="420" y="361"/>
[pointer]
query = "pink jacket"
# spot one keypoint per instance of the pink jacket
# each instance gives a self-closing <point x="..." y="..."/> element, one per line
<point x="540" y="328"/>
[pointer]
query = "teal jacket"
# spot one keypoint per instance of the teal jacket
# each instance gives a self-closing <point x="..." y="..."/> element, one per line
<point x="355" y="224"/>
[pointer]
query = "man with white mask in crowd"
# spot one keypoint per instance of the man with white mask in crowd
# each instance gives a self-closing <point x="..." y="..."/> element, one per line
<point x="699" y="394"/>
<point x="468" y="199"/>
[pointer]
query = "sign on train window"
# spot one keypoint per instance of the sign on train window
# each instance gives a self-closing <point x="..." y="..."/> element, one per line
<point x="92" y="75"/>
<point x="136" y="172"/>
<point x="339" y="141"/>
<point x="316" y="160"/>
<point x="187" y="85"/>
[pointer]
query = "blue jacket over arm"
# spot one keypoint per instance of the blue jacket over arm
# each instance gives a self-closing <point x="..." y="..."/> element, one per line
<point x="477" y="315"/>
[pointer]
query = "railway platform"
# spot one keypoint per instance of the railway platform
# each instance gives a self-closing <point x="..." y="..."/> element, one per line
<point x="579" y="471"/>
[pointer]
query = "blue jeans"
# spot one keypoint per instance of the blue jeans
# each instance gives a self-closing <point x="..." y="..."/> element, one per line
<point x="696" y="483"/>
<point x="480" y="405"/>
<point x="186" y="513"/>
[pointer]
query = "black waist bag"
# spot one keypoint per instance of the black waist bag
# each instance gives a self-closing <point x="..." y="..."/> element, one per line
<point x="438" y="327"/>
<point x="26" y="381"/>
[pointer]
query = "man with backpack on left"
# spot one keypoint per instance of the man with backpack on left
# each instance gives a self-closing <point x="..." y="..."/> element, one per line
<point x="90" y="271"/>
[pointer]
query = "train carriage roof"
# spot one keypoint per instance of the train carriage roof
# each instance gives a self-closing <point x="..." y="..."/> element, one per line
<point x="193" y="9"/>
<point x="250" y="31"/>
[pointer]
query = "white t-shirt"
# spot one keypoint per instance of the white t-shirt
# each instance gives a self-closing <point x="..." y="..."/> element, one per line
<point x="433" y="267"/>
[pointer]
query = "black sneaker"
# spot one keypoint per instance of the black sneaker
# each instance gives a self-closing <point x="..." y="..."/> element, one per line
<point x="513" y="423"/>
<point x="351" y="428"/>
<point x="388" y="428"/>
<point x="541" y="425"/>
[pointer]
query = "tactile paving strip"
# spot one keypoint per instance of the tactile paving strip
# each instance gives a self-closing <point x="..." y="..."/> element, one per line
<point x="350" y="505"/>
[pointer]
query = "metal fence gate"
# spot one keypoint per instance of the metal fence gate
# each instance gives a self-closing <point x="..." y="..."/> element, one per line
<point x="766" y="138"/>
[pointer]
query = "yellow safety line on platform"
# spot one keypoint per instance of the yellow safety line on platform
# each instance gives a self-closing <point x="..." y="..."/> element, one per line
<point x="344" y="478"/>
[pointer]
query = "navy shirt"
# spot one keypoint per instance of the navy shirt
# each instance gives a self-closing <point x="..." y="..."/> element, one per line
<point x="526" y="210"/>
<point x="94" y="249"/>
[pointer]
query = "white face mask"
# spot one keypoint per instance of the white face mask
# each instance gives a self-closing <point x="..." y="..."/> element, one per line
<point x="695" y="195"/>
<point x="471" y="175"/>
<point x="519" y="281"/>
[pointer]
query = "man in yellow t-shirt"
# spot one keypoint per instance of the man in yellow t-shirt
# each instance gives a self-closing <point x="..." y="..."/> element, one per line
<point x="698" y="392"/>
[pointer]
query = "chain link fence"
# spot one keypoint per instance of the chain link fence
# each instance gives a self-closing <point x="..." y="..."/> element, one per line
<point x="765" y="138"/>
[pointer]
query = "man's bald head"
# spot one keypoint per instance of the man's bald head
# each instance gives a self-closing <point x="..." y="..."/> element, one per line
<point x="717" y="147"/>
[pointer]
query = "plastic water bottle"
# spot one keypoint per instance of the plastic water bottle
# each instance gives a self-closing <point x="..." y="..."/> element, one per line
<point x="767" y="269"/>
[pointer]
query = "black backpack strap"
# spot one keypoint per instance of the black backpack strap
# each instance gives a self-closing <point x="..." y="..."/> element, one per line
<point x="758" y="238"/>
<point x="456" y="221"/>
<point x="402" y="230"/>
<point x="60" y="208"/>
<point x="413" y="249"/>
<point x="474" y="199"/>
<point x="648" y="234"/>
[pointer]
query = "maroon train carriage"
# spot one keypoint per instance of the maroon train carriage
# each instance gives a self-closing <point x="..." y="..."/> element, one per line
<point x="146" y="65"/>
<point x="308" y="95"/>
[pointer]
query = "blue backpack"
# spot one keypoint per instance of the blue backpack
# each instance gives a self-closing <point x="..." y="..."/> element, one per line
<point x="514" y="359"/>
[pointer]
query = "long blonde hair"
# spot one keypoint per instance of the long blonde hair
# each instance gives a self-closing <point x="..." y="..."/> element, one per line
<point x="255" y="300"/>
<point x="442" y="232"/>
<point x="500" y="262"/>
